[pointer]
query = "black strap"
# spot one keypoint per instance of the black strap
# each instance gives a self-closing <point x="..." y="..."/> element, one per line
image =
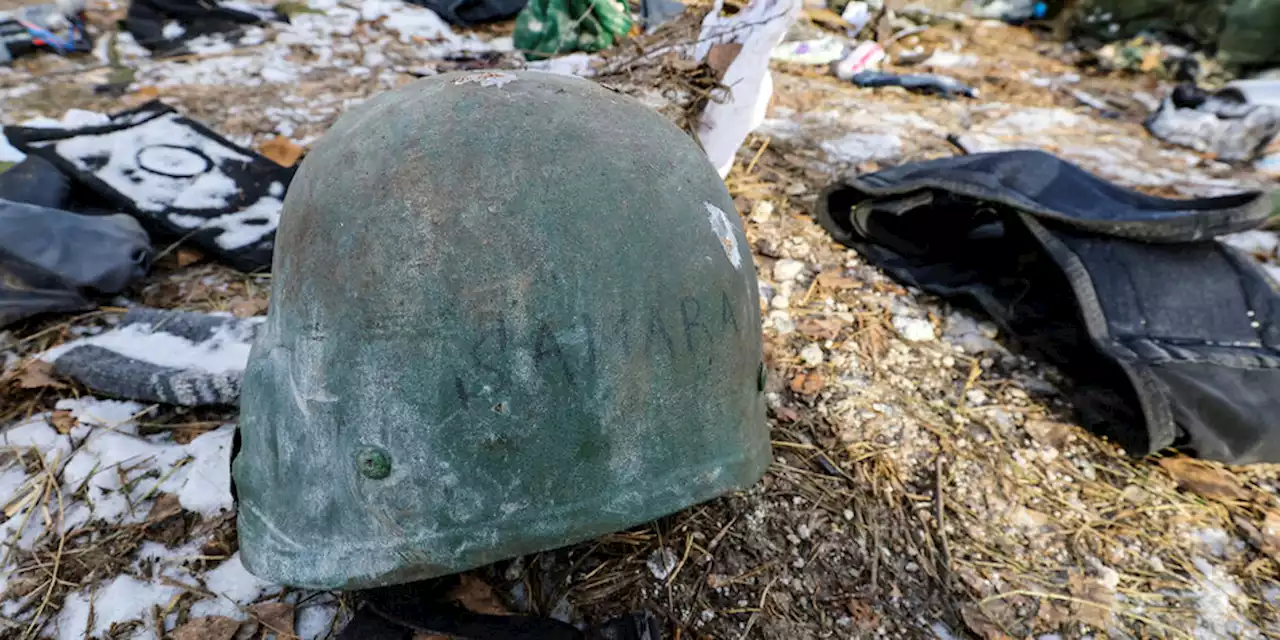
<point x="395" y="613"/>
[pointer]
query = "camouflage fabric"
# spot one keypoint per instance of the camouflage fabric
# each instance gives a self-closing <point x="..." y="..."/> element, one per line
<point x="1248" y="37"/>
<point x="546" y="28"/>
<point x="1242" y="32"/>
<point x="1197" y="20"/>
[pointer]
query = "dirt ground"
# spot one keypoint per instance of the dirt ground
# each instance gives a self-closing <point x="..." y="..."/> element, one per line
<point x="929" y="480"/>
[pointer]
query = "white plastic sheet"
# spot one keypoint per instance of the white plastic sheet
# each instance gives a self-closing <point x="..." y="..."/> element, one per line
<point x="759" y="28"/>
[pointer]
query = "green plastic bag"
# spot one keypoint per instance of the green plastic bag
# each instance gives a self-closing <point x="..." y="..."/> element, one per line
<point x="546" y="28"/>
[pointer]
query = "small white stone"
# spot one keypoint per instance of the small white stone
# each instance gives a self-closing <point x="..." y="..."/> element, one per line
<point x="661" y="563"/>
<point x="914" y="329"/>
<point x="812" y="354"/>
<point x="762" y="211"/>
<point x="782" y="322"/>
<point x="976" y="397"/>
<point x="787" y="269"/>
<point x="780" y="302"/>
<point x="848" y="514"/>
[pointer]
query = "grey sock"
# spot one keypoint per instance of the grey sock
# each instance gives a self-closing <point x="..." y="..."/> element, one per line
<point x="117" y="374"/>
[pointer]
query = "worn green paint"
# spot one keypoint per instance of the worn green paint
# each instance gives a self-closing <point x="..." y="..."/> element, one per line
<point x="532" y="298"/>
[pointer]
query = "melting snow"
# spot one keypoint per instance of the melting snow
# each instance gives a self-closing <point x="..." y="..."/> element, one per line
<point x="1218" y="615"/>
<point x="234" y="586"/>
<point x="123" y="598"/>
<point x="111" y="473"/>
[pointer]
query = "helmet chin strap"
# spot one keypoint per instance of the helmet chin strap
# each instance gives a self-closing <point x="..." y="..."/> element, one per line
<point x="397" y="612"/>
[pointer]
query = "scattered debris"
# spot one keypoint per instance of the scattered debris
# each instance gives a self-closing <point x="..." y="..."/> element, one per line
<point x="1224" y="124"/>
<point x="867" y="55"/>
<point x="811" y="52"/>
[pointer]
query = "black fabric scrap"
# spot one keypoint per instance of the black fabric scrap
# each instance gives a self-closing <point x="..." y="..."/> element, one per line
<point x="145" y="21"/>
<point x="467" y="13"/>
<point x="1170" y="337"/>
<point x="918" y="82"/>
<point x="158" y="165"/>
<point x="396" y="612"/>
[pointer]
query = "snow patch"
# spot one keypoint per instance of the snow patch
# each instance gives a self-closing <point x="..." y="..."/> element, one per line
<point x="1254" y="241"/>
<point x="225" y="351"/>
<point x="856" y="148"/>
<point x="122" y="599"/>
<point x="1218" y="615"/>
<point x="235" y="586"/>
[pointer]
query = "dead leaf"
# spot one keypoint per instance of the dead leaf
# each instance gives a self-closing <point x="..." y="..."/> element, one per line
<point x="1134" y="494"/>
<point x="1090" y="590"/>
<point x="63" y="422"/>
<point x="38" y="374"/>
<point x="1049" y="433"/>
<point x="1151" y="60"/>
<point x="147" y="92"/>
<point x="721" y="56"/>
<point x="249" y="308"/>
<point x="808" y="383"/>
<point x="833" y="280"/>
<point x="864" y="617"/>
<point x="1269" y="534"/>
<point x="827" y="18"/>
<point x="819" y="328"/>
<point x="1214" y="483"/>
<point x="165" y="507"/>
<point x="277" y="617"/>
<point x="786" y="414"/>
<point x="979" y="623"/>
<point x="186" y="257"/>
<point x="476" y="595"/>
<point x="207" y="628"/>
<point x="1052" y="614"/>
<point x="281" y="150"/>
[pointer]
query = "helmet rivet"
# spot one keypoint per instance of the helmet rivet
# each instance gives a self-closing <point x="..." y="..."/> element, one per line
<point x="763" y="377"/>
<point x="373" y="463"/>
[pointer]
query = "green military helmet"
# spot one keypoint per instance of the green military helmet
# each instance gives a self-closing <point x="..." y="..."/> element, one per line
<point x="511" y="311"/>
